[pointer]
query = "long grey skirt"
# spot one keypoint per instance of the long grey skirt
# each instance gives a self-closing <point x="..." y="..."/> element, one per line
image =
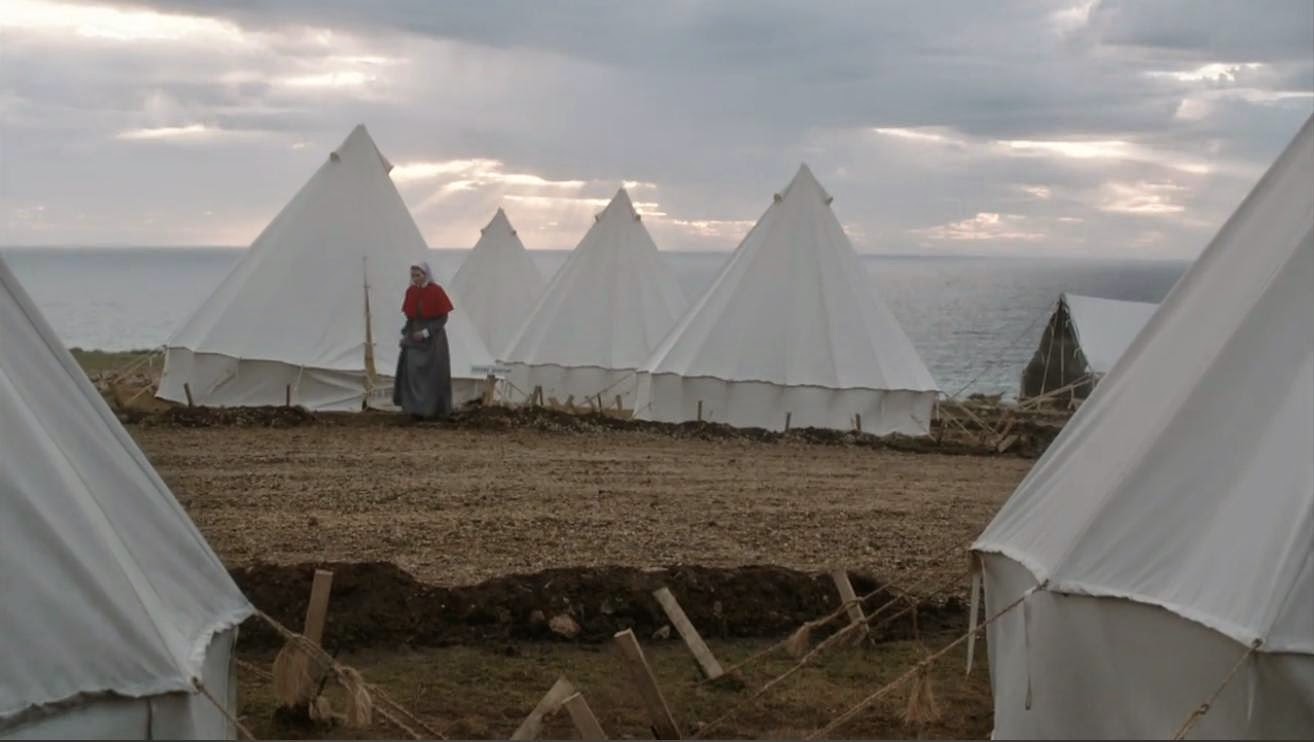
<point x="423" y="383"/>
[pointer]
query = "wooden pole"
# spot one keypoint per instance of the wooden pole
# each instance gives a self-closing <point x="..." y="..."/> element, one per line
<point x="619" y="406"/>
<point x="850" y="598"/>
<point x="706" y="660"/>
<point x="663" y="724"/>
<point x="538" y="396"/>
<point x="317" y="610"/>
<point x="532" y="726"/>
<point x="788" y="415"/>
<point x="585" y="722"/>
<point x="700" y="410"/>
<point x="490" y="390"/>
<point x="857" y="417"/>
<point x="287" y="399"/>
<point x="187" y="389"/>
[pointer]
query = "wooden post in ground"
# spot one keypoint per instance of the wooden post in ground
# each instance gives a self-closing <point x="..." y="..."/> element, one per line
<point x="850" y="599"/>
<point x="663" y="723"/>
<point x="297" y="674"/>
<point x="788" y="415"/>
<point x="187" y="389"/>
<point x="858" y="418"/>
<point x="538" y="396"/>
<point x="317" y="610"/>
<point x="585" y="722"/>
<point x="490" y="390"/>
<point x="700" y="410"/>
<point x="706" y="660"/>
<point x="532" y="726"/>
<point x="620" y="407"/>
<point x="287" y="398"/>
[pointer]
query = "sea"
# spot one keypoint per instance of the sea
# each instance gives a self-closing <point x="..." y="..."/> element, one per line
<point x="974" y="320"/>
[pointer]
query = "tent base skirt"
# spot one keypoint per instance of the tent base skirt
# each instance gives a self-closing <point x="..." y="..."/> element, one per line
<point x="1109" y="668"/>
<point x="756" y="404"/>
<point x="167" y="716"/>
<point x="223" y="381"/>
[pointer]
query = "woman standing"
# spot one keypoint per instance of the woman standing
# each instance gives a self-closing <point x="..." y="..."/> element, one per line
<point x="423" y="386"/>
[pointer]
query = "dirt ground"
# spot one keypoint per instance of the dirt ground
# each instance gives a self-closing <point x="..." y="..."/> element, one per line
<point x="455" y="507"/>
<point x="580" y="522"/>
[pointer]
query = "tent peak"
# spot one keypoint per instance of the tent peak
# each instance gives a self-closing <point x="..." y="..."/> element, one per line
<point x="359" y="140"/>
<point x="501" y="220"/>
<point x="620" y="205"/>
<point x="804" y="182"/>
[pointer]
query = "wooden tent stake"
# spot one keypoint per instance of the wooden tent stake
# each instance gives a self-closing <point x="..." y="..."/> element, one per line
<point x="585" y="722"/>
<point x="664" y="726"/>
<point x="532" y="726"/>
<point x="317" y="610"/>
<point x="706" y="660"/>
<point x="850" y="599"/>
<point x="700" y="410"/>
<point x="187" y="389"/>
<point x="788" y="415"/>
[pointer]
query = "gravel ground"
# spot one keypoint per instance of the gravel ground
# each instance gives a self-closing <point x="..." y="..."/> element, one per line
<point x="454" y="507"/>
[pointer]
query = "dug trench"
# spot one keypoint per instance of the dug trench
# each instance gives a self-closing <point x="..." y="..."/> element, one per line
<point x="378" y="605"/>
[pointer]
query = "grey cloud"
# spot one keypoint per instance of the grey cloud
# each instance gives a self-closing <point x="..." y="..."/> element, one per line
<point x="715" y="102"/>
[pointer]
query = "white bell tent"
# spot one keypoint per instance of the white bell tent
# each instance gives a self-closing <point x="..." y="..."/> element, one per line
<point x="114" y="608"/>
<point x="1085" y="336"/>
<point x="600" y="316"/>
<point x="498" y="283"/>
<point x="1167" y="536"/>
<point x="313" y="309"/>
<point x="792" y="328"/>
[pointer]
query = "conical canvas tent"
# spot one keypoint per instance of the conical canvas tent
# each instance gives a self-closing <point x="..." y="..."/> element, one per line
<point x="313" y="309"/>
<point x="600" y="316"/>
<point x="1085" y="336"/>
<point x="498" y="283"/>
<point x="791" y="329"/>
<point x="113" y="605"/>
<point x="1169" y="530"/>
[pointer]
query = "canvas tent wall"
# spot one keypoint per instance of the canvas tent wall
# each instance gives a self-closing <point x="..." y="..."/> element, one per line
<point x="315" y="303"/>
<point x="792" y="326"/>
<point x="1085" y="336"/>
<point x="1169" y="529"/>
<point x="498" y="283"/>
<point x="601" y="315"/>
<point x="113" y="603"/>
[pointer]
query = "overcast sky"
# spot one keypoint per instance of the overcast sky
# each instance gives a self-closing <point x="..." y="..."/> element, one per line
<point x="1066" y="128"/>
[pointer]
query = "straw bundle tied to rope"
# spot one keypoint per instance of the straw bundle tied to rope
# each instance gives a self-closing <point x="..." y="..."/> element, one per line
<point x="921" y="708"/>
<point x="295" y="684"/>
<point x="301" y="668"/>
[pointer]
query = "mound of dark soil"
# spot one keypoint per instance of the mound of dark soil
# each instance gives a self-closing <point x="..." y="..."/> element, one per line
<point x="377" y="603"/>
<point x="213" y="417"/>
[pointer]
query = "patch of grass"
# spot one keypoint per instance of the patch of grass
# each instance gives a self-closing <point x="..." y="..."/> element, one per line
<point x="486" y="691"/>
<point x="101" y="361"/>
